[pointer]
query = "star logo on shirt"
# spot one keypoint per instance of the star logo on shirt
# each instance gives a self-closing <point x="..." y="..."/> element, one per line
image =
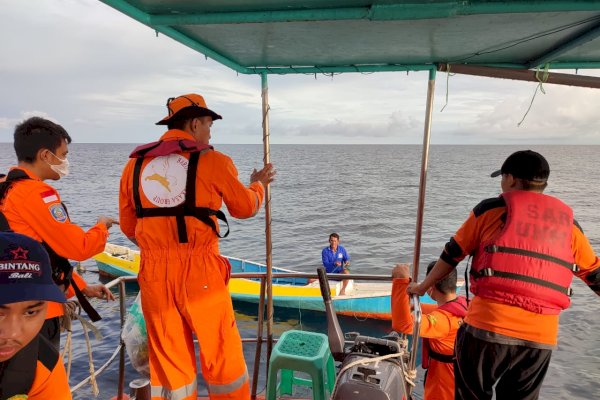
<point x="19" y="253"/>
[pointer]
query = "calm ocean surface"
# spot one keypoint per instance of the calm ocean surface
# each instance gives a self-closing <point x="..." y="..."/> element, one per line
<point x="368" y="194"/>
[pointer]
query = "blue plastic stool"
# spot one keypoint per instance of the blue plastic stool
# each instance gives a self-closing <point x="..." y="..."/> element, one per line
<point x="306" y="352"/>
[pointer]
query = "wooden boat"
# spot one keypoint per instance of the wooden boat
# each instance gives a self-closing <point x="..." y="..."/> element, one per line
<point x="362" y="299"/>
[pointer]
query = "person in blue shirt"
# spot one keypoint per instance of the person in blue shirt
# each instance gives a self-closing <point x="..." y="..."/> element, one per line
<point x="336" y="259"/>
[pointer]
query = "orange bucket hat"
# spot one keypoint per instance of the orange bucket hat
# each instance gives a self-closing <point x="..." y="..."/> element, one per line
<point x="190" y="105"/>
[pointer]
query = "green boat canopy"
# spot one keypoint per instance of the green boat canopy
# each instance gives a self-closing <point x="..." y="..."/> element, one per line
<point x="311" y="36"/>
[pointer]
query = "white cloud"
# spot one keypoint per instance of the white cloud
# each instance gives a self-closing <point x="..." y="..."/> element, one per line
<point x="99" y="73"/>
<point x="9" y="123"/>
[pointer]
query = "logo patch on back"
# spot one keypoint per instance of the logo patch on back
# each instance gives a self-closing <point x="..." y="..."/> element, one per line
<point x="58" y="212"/>
<point x="163" y="180"/>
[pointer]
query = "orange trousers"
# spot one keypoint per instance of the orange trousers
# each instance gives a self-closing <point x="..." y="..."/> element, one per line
<point x="185" y="292"/>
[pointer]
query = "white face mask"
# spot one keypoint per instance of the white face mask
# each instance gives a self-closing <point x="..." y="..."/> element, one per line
<point x="62" y="169"/>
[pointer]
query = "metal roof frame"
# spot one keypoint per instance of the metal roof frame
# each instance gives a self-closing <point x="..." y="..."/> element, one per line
<point x="175" y="19"/>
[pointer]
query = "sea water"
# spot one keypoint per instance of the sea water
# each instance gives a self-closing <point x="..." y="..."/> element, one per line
<point x="368" y="195"/>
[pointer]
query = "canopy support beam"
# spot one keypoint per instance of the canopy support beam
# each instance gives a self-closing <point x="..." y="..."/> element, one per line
<point x="374" y="12"/>
<point x="522" y="75"/>
<point x="269" y="245"/>
<point x="421" y="205"/>
<point x="564" y="47"/>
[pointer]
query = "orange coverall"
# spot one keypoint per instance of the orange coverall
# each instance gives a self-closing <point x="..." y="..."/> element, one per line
<point x="438" y="325"/>
<point x="33" y="208"/>
<point x="184" y="285"/>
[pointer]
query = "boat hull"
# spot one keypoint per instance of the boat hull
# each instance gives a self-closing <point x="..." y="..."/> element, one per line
<point x="364" y="300"/>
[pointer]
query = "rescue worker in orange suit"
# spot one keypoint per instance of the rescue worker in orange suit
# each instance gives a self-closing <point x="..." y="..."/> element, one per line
<point x="34" y="208"/>
<point x="438" y="328"/>
<point x="30" y="367"/>
<point x="170" y="196"/>
<point x="526" y="248"/>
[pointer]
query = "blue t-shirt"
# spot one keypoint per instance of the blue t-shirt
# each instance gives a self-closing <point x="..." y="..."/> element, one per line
<point x="329" y="259"/>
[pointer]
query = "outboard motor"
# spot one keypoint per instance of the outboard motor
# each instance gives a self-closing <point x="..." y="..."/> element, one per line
<point x="372" y="368"/>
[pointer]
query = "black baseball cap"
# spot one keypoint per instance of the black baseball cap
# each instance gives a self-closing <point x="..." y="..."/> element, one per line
<point x="525" y="164"/>
<point x="25" y="271"/>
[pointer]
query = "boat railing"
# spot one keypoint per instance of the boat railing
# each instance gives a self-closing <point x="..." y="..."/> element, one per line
<point x="259" y="339"/>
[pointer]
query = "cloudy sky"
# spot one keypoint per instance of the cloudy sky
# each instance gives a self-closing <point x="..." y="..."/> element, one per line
<point x="106" y="78"/>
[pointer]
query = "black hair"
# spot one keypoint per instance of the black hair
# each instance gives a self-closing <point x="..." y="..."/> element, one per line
<point x="35" y="134"/>
<point x="532" y="186"/>
<point x="178" y="123"/>
<point x="179" y="120"/>
<point x="445" y="285"/>
<point x="335" y="235"/>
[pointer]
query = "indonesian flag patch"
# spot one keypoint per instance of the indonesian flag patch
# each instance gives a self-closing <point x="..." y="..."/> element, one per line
<point x="49" y="196"/>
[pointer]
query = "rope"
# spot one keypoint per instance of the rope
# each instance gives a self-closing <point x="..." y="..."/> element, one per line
<point x="447" y="85"/>
<point x="403" y="342"/>
<point x="539" y="87"/>
<point x="99" y="370"/>
<point x="72" y="311"/>
<point x="368" y="360"/>
<point x="409" y="376"/>
<point x="300" y="314"/>
<point x="356" y="317"/>
<point x="93" y="382"/>
<point x="69" y="350"/>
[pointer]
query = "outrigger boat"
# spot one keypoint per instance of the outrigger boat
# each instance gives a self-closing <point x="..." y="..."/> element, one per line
<point x="362" y="299"/>
<point x="502" y="39"/>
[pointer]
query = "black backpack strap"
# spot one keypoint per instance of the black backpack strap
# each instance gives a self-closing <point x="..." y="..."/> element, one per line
<point x="488" y="272"/>
<point x="85" y="304"/>
<point x="62" y="270"/>
<point x="181" y="228"/>
<point x="513" y="250"/>
<point x="4" y="226"/>
<point x="136" y="187"/>
<point x="19" y="371"/>
<point x="62" y="274"/>
<point x="13" y="176"/>
<point x="190" y="195"/>
<point x="201" y="213"/>
<point x="445" y="358"/>
<point x="204" y="214"/>
<point x="47" y="353"/>
<point x="137" y="168"/>
<point x="16" y="175"/>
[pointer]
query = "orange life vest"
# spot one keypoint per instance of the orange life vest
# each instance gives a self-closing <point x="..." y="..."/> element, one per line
<point x="456" y="307"/>
<point x="530" y="263"/>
